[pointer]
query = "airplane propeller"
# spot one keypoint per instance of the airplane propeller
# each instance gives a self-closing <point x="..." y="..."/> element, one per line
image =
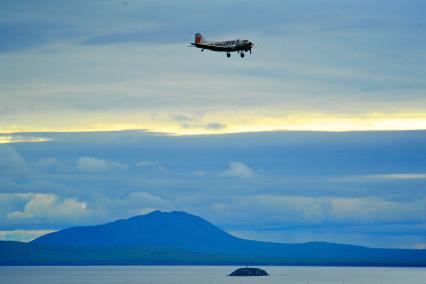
<point x="251" y="46"/>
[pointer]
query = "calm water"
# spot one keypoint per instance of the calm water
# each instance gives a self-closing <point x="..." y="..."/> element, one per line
<point x="208" y="275"/>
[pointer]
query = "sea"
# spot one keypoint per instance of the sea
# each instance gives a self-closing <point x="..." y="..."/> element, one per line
<point x="207" y="275"/>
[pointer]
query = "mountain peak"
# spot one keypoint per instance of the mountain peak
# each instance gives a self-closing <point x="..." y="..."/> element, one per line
<point x="176" y="229"/>
<point x="164" y="213"/>
<point x="158" y="215"/>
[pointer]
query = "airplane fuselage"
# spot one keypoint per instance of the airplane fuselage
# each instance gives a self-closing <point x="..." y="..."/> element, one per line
<point x="238" y="45"/>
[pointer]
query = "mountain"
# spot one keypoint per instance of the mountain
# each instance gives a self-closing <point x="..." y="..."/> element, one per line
<point x="182" y="238"/>
<point x="157" y="229"/>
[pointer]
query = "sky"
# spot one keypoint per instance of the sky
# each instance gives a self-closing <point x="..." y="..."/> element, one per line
<point x="105" y="113"/>
<point x="115" y="65"/>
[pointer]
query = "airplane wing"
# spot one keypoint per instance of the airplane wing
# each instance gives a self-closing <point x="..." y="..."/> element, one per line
<point x="210" y="46"/>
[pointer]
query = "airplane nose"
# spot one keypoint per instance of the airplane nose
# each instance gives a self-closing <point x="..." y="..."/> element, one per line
<point x="250" y="46"/>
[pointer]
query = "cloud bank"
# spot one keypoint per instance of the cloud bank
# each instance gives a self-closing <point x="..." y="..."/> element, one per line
<point x="361" y="188"/>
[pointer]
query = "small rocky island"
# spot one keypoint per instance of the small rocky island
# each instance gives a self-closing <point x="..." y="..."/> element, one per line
<point x="249" y="271"/>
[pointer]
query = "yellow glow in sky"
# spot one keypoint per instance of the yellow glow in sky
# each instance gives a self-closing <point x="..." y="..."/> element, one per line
<point x="16" y="139"/>
<point x="227" y="122"/>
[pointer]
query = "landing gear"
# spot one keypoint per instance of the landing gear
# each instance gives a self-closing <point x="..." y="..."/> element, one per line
<point x="228" y="54"/>
<point x="242" y="54"/>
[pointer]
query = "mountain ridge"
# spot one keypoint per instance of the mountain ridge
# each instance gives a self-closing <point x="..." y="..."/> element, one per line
<point x="181" y="238"/>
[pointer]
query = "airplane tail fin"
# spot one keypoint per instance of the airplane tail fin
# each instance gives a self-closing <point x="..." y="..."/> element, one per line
<point x="199" y="38"/>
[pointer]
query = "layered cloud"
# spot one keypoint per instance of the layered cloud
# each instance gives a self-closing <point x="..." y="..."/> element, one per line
<point x="313" y="68"/>
<point x="91" y="164"/>
<point x="283" y="210"/>
<point x="362" y="188"/>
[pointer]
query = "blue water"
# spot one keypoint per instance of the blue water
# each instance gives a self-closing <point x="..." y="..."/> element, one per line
<point x="208" y="275"/>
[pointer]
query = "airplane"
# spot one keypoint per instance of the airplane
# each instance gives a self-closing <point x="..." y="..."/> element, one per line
<point x="238" y="45"/>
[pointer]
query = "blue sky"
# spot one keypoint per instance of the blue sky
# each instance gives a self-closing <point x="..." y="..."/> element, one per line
<point x="102" y="105"/>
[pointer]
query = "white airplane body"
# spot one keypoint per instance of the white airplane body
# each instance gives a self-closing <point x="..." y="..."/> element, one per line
<point x="238" y="45"/>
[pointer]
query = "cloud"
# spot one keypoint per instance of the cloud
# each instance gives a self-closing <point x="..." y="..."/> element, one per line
<point x="199" y="173"/>
<point x="420" y="246"/>
<point x="12" y="164"/>
<point x="195" y="121"/>
<point x="207" y="126"/>
<point x="395" y="176"/>
<point x="106" y="208"/>
<point x="147" y="202"/>
<point x="47" y="162"/>
<point x="93" y="165"/>
<point x="46" y="208"/>
<point x="33" y="183"/>
<point x="240" y="170"/>
<point x="22" y="235"/>
<point x="284" y="211"/>
<point x="215" y="125"/>
<point x="145" y="36"/>
<point x="29" y="211"/>
<point x="150" y="164"/>
<point x="382" y="178"/>
<point x="183" y="118"/>
<point x="13" y="138"/>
